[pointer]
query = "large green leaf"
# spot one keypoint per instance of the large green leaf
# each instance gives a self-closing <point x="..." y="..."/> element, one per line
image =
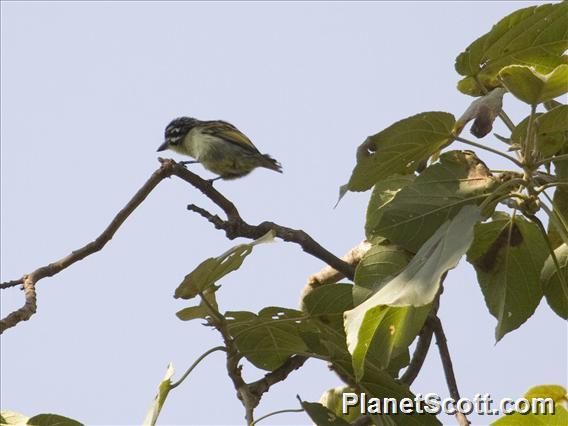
<point x="390" y="330"/>
<point x="213" y="269"/>
<point x="559" y="418"/>
<point x="536" y="36"/>
<point x="383" y="193"/>
<point x="325" y="306"/>
<point x="552" y="130"/>
<point x="560" y="204"/>
<point x="555" y="285"/>
<point x="377" y="266"/>
<point x="508" y="254"/>
<point x="438" y="194"/>
<point x="13" y="418"/>
<point x="416" y="286"/>
<point x="321" y="415"/>
<point x="332" y="399"/>
<point x="532" y="87"/>
<point x="269" y="338"/>
<point x="399" y="148"/>
<point x="163" y="390"/>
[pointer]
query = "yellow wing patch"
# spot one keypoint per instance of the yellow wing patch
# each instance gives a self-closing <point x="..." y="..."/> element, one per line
<point x="230" y="133"/>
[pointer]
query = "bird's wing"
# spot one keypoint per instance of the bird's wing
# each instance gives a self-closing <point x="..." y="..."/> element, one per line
<point x="230" y="133"/>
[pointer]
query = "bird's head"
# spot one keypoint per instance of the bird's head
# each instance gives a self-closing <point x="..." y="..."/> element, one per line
<point x="176" y="131"/>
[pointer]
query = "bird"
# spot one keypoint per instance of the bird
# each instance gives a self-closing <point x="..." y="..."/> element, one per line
<point x="219" y="146"/>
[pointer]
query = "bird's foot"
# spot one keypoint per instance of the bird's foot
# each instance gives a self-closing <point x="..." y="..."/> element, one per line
<point x="213" y="180"/>
<point x="185" y="163"/>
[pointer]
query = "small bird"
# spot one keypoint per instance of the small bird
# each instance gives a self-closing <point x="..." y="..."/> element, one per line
<point x="219" y="146"/>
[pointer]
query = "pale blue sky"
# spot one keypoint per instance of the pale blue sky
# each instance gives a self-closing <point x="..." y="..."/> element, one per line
<point x="87" y="89"/>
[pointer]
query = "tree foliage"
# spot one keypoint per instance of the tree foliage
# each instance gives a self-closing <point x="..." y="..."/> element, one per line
<point x="431" y="204"/>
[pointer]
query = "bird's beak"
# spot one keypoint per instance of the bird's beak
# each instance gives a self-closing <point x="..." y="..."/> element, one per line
<point x="163" y="147"/>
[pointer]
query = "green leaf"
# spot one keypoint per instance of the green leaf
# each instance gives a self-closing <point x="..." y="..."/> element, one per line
<point x="390" y="330"/>
<point x="382" y="262"/>
<point x="321" y="415"/>
<point x="399" y="148"/>
<point x="158" y="403"/>
<point x="552" y="130"/>
<point x="213" y="269"/>
<point x="269" y="338"/>
<point x="325" y="306"/>
<point x="519" y="133"/>
<point x="12" y="418"/>
<point x="52" y="420"/>
<point x="535" y="36"/>
<point x="193" y="312"/>
<point x="556" y="392"/>
<point x="418" y="283"/>
<point x="438" y="194"/>
<point x="554" y="285"/>
<point x="332" y="399"/>
<point x="533" y="87"/>
<point x="559" y="418"/>
<point x="560" y="205"/>
<point x="383" y="193"/>
<point x="508" y="254"/>
<point x="416" y="286"/>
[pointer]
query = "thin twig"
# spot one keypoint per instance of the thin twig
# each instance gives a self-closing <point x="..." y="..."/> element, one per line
<point x="274" y="413"/>
<point x="12" y="283"/>
<point x="195" y="364"/>
<point x="419" y="355"/>
<point x="442" y="343"/>
<point x="548" y="160"/>
<point x="24" y="313"/>
<point x="280" y="374"/>
<point x="234" y="227"/>
<point x="488" y="148"/>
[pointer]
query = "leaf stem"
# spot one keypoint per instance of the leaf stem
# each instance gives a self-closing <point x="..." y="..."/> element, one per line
<point x="528" y="146"/>
<point x="291" y="410"/>
<point x="197" y="361"/>
<point x="512" y="182"/>
<point x="550" y="185"/>
<point x="548" y="160"/>
<point x="556" y="222"/>
<point x="542" y="230"/>
<point x="487" y="148"/>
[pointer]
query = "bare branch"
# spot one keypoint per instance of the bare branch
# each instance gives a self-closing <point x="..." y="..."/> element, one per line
<point x="280" y="374"/>
<point x="442" y="343"/>
<point x="24" y="313"/>
<point x="419" y="355"/>
<point x="329" y="275"/>
<point x="12" y="283"/>
<point x="234" y="227"/>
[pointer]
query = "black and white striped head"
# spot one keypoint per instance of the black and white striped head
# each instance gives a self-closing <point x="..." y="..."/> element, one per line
<point x="176" y="131"/>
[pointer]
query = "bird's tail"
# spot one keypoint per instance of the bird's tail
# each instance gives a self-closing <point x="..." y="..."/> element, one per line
<point x="270" y="163"/>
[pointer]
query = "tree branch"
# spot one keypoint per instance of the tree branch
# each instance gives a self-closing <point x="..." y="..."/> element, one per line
<point x="261" y="386"/>
<point x="419" y="355"/>
<point x="12" y="283"/>
<point x="30" y="280"/>
<point x="329" y="275"/>
<point x="442" y="343"/>
<point x="234" y="227"/>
